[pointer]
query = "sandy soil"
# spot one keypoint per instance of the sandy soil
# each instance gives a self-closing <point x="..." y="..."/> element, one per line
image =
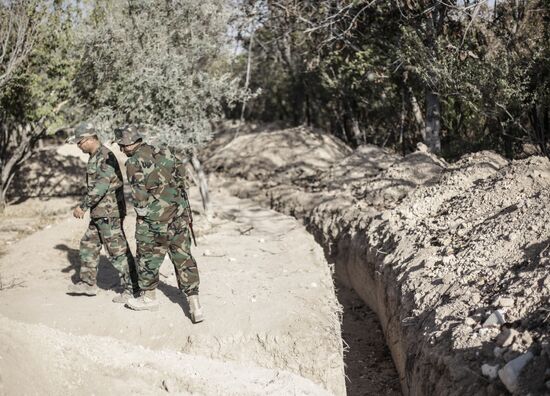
<point x="272" y="317"/>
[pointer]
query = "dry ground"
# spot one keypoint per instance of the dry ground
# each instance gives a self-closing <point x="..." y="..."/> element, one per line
<point x="272" y="317"/>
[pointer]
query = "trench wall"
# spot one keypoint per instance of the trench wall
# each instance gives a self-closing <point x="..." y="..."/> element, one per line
<point x="427" y="246"/>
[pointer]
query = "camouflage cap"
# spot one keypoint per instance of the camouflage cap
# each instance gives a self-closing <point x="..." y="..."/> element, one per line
<point x="127" y="134"/>
<point x="81" y="131"/>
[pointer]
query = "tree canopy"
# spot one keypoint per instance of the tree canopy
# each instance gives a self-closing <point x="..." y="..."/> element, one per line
<point x="158" y="63"/>
<point x="458" y="75"/>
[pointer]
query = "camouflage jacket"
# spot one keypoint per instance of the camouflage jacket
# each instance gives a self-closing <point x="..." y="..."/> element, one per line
<point x="105" y="196"/>
<point x="157" y="178"/>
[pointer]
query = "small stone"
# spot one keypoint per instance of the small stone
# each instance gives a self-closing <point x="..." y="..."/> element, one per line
<point x="495" y="319"/>
<point x="484" y="331"/>
<point x="470" y="322"/>
<point x="509" y="374"/>
<point x="506" y="337"/>
<point x="504" y="302"/>
<point x="476" y="298"/>
<point x="527" y="339"/>
<point x="489" y="371"/>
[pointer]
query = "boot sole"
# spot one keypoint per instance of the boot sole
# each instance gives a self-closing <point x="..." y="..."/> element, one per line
<point x="119" y="302"/>
<point x="80" y="293"/>
<point x="197" y="319"/>
<point x="153" y="308"/>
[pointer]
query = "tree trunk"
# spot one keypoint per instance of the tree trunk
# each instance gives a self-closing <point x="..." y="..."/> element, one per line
<point x="433" y="122"/>
<point x="540" y="124"/>
<point x="2" y="201"/>
<point x="402" y="119"/>
<point x="352" y="124"/>
<point x="247" y="79"/>
<point x="417" y="113"/>
<point x="20" y="143"/>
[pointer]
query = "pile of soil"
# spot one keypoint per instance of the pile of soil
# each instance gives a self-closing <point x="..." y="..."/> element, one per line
<point x="453" y="258"/>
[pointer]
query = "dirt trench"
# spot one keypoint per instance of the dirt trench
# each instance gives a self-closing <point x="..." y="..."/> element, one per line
<point x="435" y="249"/>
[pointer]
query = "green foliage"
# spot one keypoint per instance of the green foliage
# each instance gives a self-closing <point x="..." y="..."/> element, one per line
<point x="158" y="63"/>
<point x="364" y="71"/>
<point x="43" y="82"/>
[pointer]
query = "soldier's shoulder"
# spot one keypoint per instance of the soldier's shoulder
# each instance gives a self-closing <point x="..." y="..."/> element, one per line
<point x="105" y="152"/>
<point x="107" y="155"/>
<point x="145" y="152"/>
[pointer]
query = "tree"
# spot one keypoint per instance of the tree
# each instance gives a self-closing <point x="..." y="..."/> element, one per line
<point x="458" y="75"/>
<point x="35" y="73"/>
<point x="162" y="64"/>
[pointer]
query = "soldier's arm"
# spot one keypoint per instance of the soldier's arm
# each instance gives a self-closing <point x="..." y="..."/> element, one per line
<point x="98" y="187"/>
<point x="136" y="179"/>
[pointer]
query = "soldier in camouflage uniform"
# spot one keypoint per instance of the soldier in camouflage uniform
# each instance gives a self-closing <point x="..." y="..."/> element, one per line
<point x="157" y="178"/>
<point x="105" y="200"/>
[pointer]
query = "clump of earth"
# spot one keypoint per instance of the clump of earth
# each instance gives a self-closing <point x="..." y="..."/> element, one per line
<point x="453" y="257"/>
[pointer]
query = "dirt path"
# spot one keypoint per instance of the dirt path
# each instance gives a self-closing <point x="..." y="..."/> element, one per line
<point x="266" y="289"/>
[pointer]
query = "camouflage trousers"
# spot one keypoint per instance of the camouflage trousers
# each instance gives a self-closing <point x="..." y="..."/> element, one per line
<point x="154" y="240"/>
<point x="109" y="233"/>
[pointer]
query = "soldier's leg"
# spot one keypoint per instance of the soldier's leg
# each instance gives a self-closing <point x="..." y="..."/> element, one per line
<point x="114" y="240"/>
<point x="151" y="249"/>
<point x="90" y="248"/>
<point x="187" y="272"/>
<point x="151" y="239"/>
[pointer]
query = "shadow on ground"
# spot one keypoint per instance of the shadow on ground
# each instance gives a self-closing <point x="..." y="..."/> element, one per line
<point x="176" y="296"/>
<point x="107" y="275"/>
<point x="369" y="366"/>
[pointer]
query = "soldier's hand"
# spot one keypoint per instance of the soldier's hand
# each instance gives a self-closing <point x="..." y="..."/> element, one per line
<point x="78" y="212"/>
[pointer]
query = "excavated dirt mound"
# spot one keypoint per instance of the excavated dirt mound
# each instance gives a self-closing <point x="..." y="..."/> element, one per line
<point x="290" y="154"/>
<point x="453" y="258"/>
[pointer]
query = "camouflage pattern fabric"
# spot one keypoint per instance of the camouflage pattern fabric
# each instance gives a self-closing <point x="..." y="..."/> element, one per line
<point x="154" y="240"/>
<point x="104" y="197"/>
<point x="109" y="232"/>
<point x="158" y="181"/>
<point x="157" y="178"/>
<point x="128" y="134"/>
